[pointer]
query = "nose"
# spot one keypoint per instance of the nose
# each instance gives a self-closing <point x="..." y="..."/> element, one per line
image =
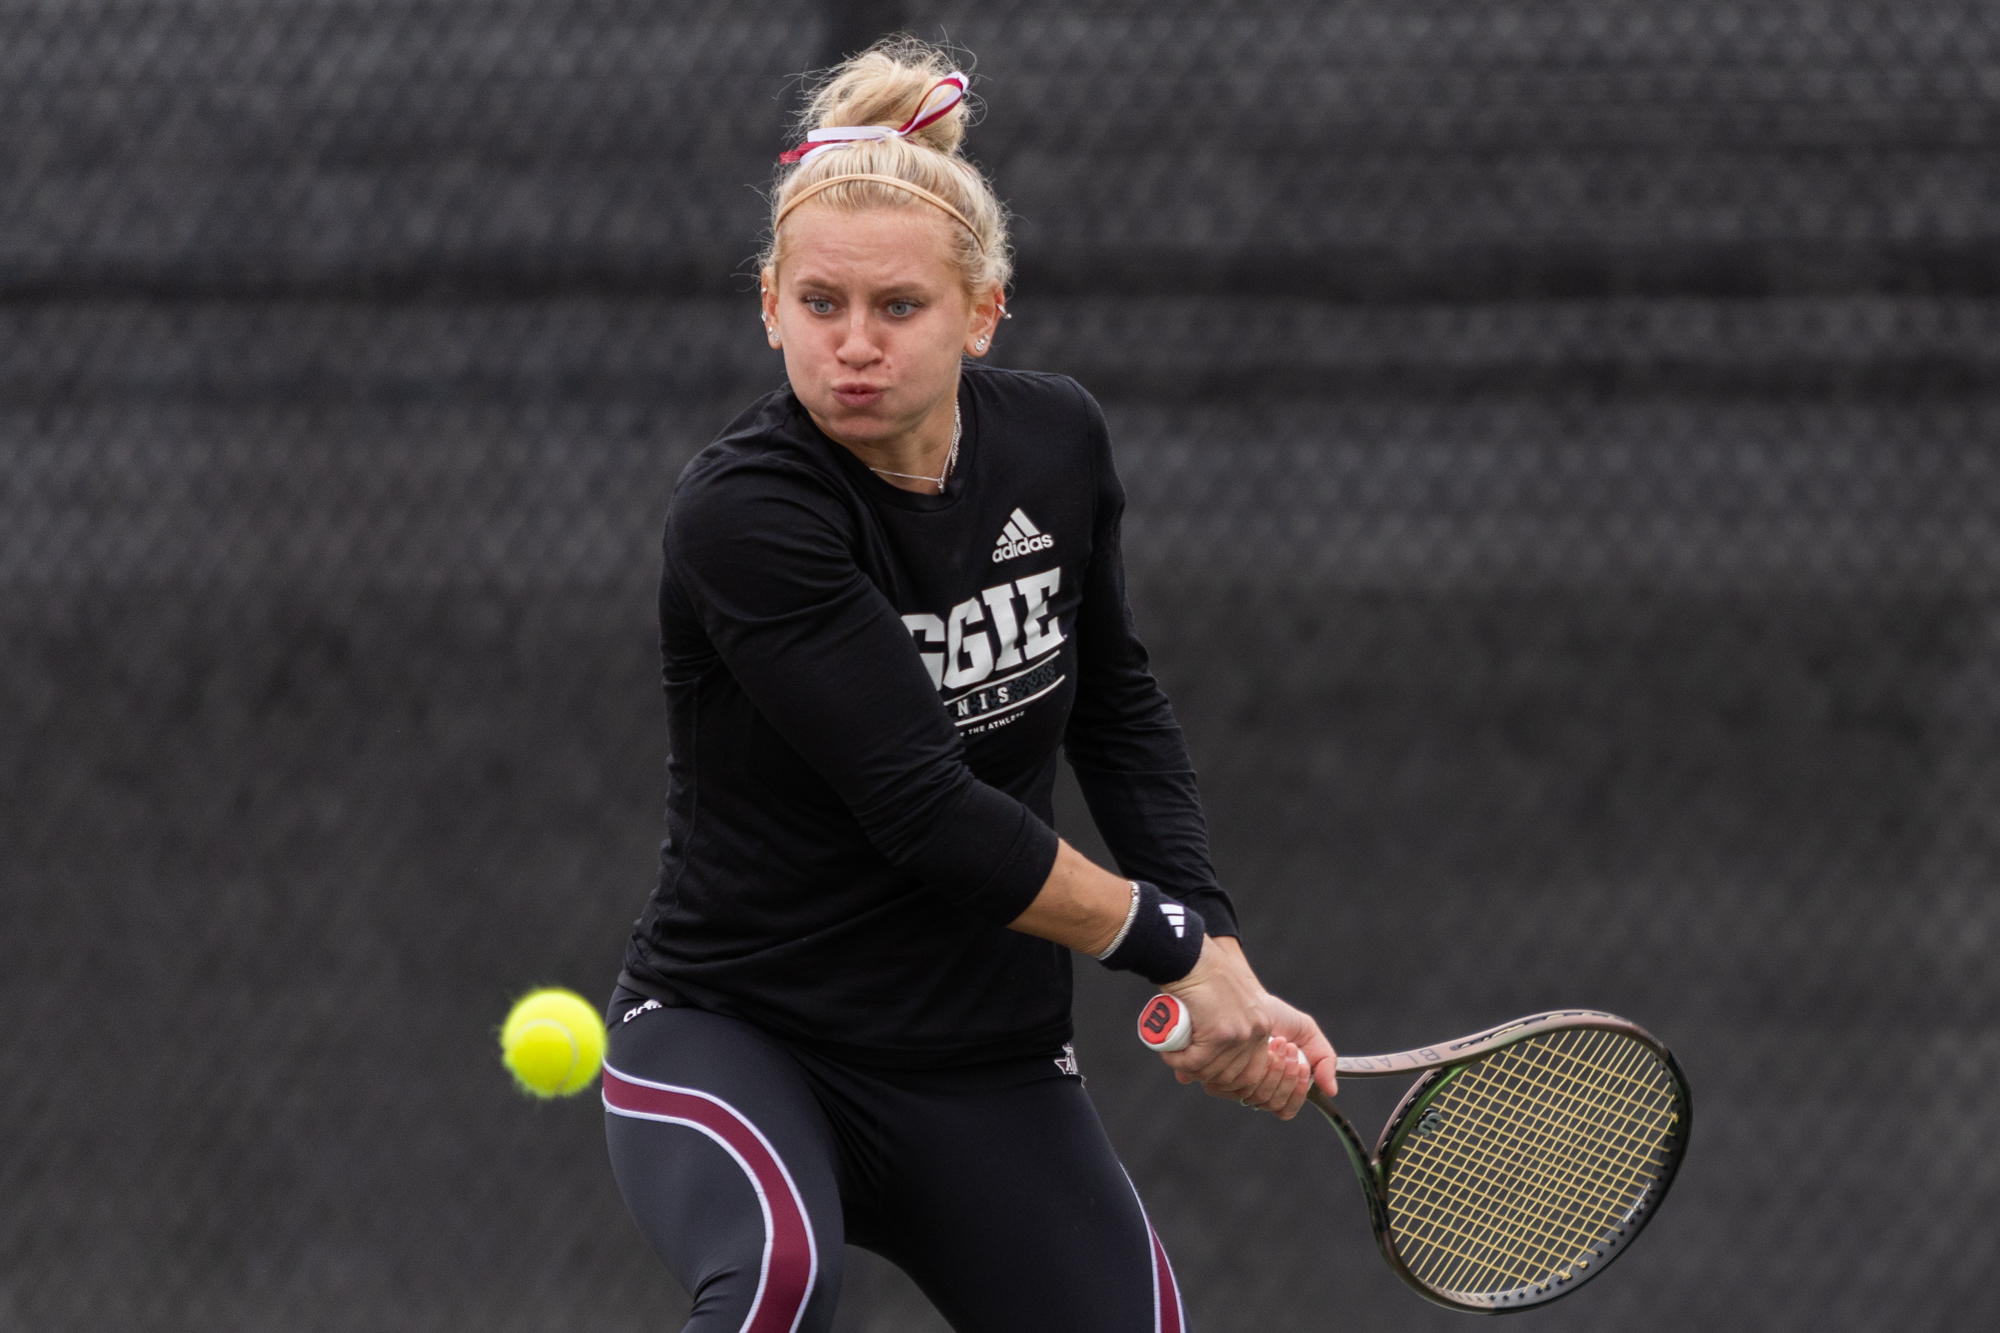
<point x="857" y="349"/>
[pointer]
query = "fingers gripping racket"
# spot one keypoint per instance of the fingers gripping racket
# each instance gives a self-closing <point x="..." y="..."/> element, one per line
<point x="1521" y="1162"/>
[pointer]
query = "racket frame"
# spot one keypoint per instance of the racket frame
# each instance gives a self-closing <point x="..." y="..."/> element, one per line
<point x="1437" y="1066"/>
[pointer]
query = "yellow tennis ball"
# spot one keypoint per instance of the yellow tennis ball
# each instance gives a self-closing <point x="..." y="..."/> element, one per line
<point x="553" y="1041"/>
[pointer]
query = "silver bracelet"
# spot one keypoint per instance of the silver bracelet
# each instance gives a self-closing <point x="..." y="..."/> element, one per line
<point x="1131" y="915"/>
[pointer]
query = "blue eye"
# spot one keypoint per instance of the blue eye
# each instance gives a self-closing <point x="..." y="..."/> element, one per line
<point x="902" y="309"/>
<point x="819" y="305"/>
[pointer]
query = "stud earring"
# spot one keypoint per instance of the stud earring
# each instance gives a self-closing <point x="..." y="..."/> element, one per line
<point x="980" y="345"/>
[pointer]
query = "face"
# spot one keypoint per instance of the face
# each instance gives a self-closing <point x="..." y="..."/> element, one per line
<point x="872" y="316"/>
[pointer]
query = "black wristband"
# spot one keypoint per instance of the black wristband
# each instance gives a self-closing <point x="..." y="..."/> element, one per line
<point x="1164" y="941"/>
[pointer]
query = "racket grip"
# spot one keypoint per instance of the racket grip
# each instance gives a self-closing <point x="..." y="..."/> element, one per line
<point x="1165" y="1025"/>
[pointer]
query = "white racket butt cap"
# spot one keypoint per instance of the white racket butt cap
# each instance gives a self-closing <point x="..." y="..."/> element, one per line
<point x="1165" y="1025"/>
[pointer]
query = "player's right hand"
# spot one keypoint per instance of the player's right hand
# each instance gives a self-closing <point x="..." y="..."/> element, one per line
<point x="1247" y="1045"/>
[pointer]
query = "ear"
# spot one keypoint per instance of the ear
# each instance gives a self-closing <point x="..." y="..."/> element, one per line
<point x="767" y="296"/>
<point x="987" y="311"/>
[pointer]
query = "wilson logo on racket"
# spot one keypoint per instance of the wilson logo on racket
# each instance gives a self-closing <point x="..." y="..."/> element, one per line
<point x="1164" y="1024"/>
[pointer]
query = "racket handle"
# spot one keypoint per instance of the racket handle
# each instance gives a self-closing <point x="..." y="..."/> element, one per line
<point x="1165" y="1025"/>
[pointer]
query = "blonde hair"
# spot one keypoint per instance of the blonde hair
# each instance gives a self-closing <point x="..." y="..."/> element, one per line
<point x="885" y="85"/>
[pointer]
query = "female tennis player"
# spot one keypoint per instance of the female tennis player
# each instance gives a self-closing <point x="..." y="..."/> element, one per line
<point x="891" y="591"/>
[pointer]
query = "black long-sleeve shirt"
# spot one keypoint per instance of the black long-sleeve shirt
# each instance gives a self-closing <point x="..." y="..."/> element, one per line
<point x="866" y="690"/>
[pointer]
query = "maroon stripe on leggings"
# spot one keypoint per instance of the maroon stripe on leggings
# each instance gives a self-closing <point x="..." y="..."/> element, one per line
<point x="791" y="1257"/>
<point x="1168" y="1291"/>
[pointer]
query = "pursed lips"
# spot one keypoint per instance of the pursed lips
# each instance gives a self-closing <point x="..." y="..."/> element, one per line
<point x="858" y="394"/>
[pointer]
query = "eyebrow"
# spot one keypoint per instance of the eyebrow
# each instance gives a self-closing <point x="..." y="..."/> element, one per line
<point x="805" y="286"/>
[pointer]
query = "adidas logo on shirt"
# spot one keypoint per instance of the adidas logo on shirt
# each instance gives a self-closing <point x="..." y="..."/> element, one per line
<point x="1020" y="537"/>
<point x="1176" y="916"/>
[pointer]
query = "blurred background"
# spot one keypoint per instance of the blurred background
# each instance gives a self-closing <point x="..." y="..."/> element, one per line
<point x="1563" y="439"/>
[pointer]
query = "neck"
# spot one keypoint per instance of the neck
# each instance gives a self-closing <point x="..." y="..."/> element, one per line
<point x="920" y="451"/>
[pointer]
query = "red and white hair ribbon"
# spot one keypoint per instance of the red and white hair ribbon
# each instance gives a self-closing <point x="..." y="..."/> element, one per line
<point x="945" y="94"/>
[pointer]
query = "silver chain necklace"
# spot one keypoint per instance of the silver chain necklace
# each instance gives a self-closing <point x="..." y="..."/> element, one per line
<point x="950" y="462"/>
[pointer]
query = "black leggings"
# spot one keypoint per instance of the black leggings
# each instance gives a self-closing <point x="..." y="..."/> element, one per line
<point x="749" y="1163"/>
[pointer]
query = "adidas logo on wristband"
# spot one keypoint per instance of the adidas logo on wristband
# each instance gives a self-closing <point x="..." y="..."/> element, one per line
<point x="1159" y="948"/>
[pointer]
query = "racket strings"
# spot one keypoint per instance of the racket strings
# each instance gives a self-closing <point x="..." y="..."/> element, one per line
<point x="1509" y="1144"/>
<point x="1540" y="1152"/>
<point x="1527" y="1247"/>
<point x="1546" y="1231"/>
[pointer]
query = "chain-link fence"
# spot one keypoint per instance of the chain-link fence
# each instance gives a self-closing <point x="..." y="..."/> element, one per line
<point x="1564" y="448"/>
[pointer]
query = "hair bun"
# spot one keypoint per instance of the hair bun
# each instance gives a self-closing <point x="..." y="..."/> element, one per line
<point x="853" y="154"/>
<point x="885" y="85"/>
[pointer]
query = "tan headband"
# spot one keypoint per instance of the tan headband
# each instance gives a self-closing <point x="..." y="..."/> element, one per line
<point x="896" y="181"/>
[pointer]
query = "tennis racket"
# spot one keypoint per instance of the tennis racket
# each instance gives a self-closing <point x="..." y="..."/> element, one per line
<point x="1522" y="1161"/>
